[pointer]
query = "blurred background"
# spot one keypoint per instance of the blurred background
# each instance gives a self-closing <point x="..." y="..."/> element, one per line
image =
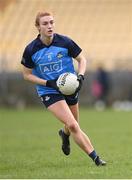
<point x="102" y="28"/>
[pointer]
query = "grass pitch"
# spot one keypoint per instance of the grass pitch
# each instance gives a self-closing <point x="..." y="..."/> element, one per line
<point x="30" y="145"/>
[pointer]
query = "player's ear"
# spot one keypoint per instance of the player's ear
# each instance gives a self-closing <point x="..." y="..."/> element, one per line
<point x="38" y="27"/>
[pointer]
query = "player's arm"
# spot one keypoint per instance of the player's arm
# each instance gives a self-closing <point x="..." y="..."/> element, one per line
<point x="27" y="74"/>
<point x="81" y="64"/>
<point x="76" y="52"/>
<point x="81" y="69"/>
<point x="28" y="66"/>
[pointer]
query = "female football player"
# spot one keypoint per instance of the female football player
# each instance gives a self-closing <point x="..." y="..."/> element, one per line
<point x="44" y="59"/>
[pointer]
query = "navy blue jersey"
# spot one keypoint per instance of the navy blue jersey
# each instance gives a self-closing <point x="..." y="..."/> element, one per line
<point x="48" y="62"/>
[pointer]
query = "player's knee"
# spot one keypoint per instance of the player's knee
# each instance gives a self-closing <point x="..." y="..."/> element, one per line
<point x="73" y="127"/>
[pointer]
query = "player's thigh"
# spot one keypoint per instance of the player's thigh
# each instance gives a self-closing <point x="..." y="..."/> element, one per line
<point x="61" y="110"/>
<point x="75" y="111"/>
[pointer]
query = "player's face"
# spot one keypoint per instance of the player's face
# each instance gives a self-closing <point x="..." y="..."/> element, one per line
<point x="46" y="26"/>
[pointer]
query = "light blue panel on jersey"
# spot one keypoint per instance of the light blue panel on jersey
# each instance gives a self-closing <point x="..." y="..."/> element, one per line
<point x="50" y="63"/>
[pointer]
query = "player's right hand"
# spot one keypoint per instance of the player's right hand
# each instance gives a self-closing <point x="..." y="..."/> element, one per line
<point x="52" y="84"/>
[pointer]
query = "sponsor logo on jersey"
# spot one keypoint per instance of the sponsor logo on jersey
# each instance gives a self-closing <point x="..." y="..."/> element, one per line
<point x="52" y="67"/>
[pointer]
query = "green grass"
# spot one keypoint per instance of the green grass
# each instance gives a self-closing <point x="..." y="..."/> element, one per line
<point x="30" y="146"/>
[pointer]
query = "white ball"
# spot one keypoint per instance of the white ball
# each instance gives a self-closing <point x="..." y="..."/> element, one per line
<point x="67" y="83"/>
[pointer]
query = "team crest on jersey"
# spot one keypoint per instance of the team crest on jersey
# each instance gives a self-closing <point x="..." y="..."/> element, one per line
<point x="59" y="55"/>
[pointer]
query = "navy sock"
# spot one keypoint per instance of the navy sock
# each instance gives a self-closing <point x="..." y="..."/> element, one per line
<point x="65" y="133"/>
<point x="93" y="155"/>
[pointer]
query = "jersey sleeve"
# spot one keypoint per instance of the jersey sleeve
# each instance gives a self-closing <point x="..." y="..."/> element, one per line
<point x="27" y="59"/>
<point x="73" y="49"/>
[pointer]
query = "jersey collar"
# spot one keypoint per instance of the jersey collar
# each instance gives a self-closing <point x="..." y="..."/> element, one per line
<point x="42" y="44"/>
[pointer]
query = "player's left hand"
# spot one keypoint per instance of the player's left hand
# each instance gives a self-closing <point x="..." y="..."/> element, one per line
<point x="80" y="78"/>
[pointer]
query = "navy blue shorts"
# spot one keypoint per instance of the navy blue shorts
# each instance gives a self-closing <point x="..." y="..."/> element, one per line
<point x="49" y="99"/>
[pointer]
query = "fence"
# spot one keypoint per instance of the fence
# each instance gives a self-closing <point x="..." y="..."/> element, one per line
<point x="15" y="92"/>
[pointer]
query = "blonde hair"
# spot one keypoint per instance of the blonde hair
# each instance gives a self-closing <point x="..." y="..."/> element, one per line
<point x="39" y="15"/>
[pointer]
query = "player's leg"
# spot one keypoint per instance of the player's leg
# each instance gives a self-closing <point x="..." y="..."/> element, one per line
<point x="48" y="100"/>
<point x="72" y="101"/>
<point x="61" y="110"/>
<point x="65" y="133"/>
<point x="75" y="112"/>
